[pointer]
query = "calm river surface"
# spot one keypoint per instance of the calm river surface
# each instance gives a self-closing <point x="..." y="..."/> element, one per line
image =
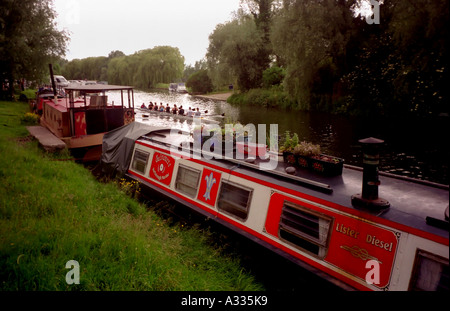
<point x="414" y="148"/>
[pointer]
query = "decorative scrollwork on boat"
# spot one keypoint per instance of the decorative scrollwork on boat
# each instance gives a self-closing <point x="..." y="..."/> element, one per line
<point x="359" y="252"/>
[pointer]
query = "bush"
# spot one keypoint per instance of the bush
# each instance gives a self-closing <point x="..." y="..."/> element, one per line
<point x="30" y="118"/>
<point x="273" y="97"/>
<point x="273" y="76"/>
<point x="200" y="82"/>
<point x="27" y="94"/>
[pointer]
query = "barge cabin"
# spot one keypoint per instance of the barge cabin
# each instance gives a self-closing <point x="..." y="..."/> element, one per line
<point x="308" y="218"/>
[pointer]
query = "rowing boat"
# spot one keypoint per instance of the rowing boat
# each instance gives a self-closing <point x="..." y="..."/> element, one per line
<point x="177" y="116"/>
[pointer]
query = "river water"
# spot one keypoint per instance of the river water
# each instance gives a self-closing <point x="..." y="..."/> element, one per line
<point x="413" y="148"/>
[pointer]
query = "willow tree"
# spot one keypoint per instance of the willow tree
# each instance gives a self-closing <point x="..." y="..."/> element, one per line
<point x="311" y="36"/>
<point x="145" y="68"/>
<point x="29" y="39"/>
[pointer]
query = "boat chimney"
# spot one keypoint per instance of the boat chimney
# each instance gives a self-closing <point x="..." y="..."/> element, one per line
<point x="371" y="160"/>
<point x="52" y="77"/>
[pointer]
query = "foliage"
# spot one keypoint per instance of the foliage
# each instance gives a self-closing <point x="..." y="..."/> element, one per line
<point x="200" y="82"/>
<point x="29" y="40"/>
<point x="131" y="188"/>
<point x="290" y="143"/>
<point x="91" y="68"/>
<point x="190" y="70"/>
<point x="267" y="98"/>
<point x="336" y="62"/>
<point x="273" y="76"/>
<point x="146" y="68"/>
<point x="311" y="36"/>
<point x="30" y="118"/>
<point x="143" y="69"/>
<point x="28" y="94"/>
<point x="238" y="52"/>
<point x="307" y="149"/>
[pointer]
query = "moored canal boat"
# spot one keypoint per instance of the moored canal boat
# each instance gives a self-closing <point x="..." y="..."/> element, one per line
<point x="314" y="220"/>
<point x="84" y="115"/>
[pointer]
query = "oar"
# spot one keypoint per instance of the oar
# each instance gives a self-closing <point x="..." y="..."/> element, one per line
<point x="215" y="115"/>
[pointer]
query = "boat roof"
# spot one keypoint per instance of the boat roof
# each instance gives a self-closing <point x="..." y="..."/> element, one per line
<point x="411" y="201"/>
<point x="97" y="88"/>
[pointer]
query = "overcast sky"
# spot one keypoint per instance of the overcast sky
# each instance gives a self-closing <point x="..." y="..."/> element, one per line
<point x="97" y="27"/>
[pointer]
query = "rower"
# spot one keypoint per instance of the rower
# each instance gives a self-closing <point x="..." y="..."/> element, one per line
<point x="143" y="105"/>
<point x="198" y="113"/>
<point x="190" y="112"/>
<point x="150" y="106"/>
<point x="167" y="108"/>
<point x="181" y="111"/>
<point x="174" y="109"/>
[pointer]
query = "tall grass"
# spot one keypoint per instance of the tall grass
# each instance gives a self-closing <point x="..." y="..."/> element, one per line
<point x="54" y="211"/>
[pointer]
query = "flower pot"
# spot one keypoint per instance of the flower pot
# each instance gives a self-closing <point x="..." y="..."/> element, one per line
<point x="326" y="165"/>
<point x="289" y="158"/>
<point x="303" y="161"/>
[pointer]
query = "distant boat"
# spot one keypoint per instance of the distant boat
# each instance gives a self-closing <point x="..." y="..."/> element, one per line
<point x="177" y="87"/>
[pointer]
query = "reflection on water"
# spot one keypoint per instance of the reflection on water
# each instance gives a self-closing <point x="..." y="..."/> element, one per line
<point x="412" y="148"/>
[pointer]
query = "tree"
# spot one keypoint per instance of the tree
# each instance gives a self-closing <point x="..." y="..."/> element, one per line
<point x="273" y="76"/>
<point x="312" y="38"/>
<point x="29" y="40"/>
<point x="200" y="82"/>
<point x="233" y="52"/>
<point x="116" y="53"/>
<point x="145" y="68"/>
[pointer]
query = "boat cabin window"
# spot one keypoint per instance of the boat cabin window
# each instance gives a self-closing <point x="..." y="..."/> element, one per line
<point x="234" y="200"/>
<point x="306" y="229"/>
<point x="430" y="273"/>
<point x="187" y="180"/>
<point x="140" y="160"/>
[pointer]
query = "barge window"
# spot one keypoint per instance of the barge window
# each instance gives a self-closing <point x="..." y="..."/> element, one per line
<point x="306" y="229"/>
<point x="140" y="160"/>
<point x="187" y="180"/>
<point x="234" y="200"/>
<point x="430" y="273"/>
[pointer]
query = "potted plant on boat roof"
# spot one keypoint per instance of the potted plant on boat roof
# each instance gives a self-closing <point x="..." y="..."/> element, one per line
<point x="287" y="148"/>
<point x="303" y="153"/>
<point x="307" y="155"/>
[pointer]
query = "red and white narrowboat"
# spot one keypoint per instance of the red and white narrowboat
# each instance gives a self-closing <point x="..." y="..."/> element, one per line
<point x="313" y="220"/>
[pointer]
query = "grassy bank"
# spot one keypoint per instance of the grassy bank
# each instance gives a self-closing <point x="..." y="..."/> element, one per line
<point x="53" y="211"/>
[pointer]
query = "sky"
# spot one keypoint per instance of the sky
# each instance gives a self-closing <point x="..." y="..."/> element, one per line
<point x="97" y="27"/>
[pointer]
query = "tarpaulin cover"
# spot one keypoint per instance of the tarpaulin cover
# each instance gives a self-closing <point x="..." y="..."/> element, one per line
<point x="117" y="147"/>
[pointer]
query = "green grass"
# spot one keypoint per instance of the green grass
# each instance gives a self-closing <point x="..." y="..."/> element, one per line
<point x="54" y="211"/>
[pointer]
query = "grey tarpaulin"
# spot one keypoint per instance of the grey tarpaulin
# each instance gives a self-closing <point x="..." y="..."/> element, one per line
<point x="117" y="147"/>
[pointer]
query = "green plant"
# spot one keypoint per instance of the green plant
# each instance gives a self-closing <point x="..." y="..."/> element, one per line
<point x="130" y="187"/>
<point x="307" y="149"/>
<point x="286" y="142"/>
<point x="294" y="141"/>
<point x="30" y="118"/>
